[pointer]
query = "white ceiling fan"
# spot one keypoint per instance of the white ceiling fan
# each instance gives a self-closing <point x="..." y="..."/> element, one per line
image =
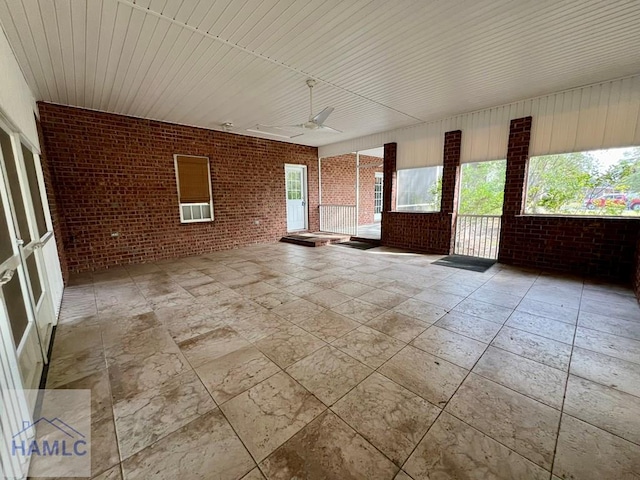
<point x="314" y="124"/>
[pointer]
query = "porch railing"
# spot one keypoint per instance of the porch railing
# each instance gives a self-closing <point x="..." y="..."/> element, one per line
<point x="339" y="219"/>
<point x="478" y="235"/>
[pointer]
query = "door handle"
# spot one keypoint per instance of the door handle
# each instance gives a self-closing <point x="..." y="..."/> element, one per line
<point x="303" y="203"/>
<point x="6" y="277"/>
<point x="38" y="245"/>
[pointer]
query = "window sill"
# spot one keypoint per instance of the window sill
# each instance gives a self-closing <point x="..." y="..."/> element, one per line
<point x="579" y="217"/>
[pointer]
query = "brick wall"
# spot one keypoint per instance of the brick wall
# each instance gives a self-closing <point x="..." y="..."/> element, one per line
<point x="56" y="215"/>
<point x="424" y="232"/>
<point x="112" y="173"/>
<point x="602" y="247"/>
<point x="339" y="183"/>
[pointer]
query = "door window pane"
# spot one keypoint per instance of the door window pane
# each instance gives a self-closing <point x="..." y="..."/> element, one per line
<point x="6" y="247"/>
<point x="16" y="308"/>
<point x="14" y="186"/>
<point x="34" y="278"/>
<point x="34" y="188"/>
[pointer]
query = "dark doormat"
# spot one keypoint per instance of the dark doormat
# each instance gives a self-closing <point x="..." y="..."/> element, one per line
<point x="358" y="245"/>
<point x="464" y="262"/>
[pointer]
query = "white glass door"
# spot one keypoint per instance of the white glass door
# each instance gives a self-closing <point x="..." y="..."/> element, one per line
<point x="377" y="199"/>
<point x="24" y="296"/>
<point x="296" y="192"/>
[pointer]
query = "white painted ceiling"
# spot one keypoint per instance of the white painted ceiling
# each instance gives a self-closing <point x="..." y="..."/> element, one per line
<point x="382" y="64"/>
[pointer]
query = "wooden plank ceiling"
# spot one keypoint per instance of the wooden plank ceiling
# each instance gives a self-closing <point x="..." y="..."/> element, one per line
<point x="382" y="64"/>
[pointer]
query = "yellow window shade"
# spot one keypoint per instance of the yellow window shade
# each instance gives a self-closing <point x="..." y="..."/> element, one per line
<point x="193" y="179"/>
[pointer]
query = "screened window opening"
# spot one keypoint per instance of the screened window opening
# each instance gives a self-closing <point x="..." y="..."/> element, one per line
<point x="419" y="189"/>
<point x="194" y="188"/>
<point x="482" y="188"/>
<point x="596" y="182"/>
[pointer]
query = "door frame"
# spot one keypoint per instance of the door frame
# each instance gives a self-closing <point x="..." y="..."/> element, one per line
<point x="305" y="195"/>
<point x="377" y="217"/>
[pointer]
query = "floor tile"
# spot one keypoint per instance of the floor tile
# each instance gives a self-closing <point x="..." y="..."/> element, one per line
<point x="534" y="347"/>
<point x="328" y="325"/>
<point x="608" y="324"/>
<point x="626" y="311"/>
<point x="548" y="310"/>
<point x="486" y="311"/>
<point x="469" y="326"/>
<point x="589" y="453"/>
<point x="432" y="378"/>
<point x="453" y="450"/>
<point x="358" y="310"/>
<point x="369" y="346"/>
<point x="486" y="294"/>
<point x="288" y="345"/>
<point x="398" y="326"/>
<point x="74" y="366"/>
<point x="612" y="410"/>
<point x="538" y="381"/>
<point x="383" y="298"/>
<point x="353" y="289"/>
<point x="328" y="373"/>
<point x="516" y="421"/>
<point x="458" y="349"/>
<point x="206" y="448"/>
<point x="423" y="311"/>
<point x="609" y="371"/>
<point x="104" y="444"/>
<point x="268" y="414"/>
<point x="545" y="327"/>
<point x="233" y="373"/>
<point x="328" y="448"/>
<point x="188" y="321"/>
<point x="70" y="340"/>
<point x="442" y="299"/>
<point x="297" y="310"/>
<point x="275" y="299"/>
<point x="216" y="343"/>
<point x="389" y="416"/>
<point x="327" y="298"/>
<point x="148" y="416"/>
<point x="260" y="325"/>
<point x="302" y="288"/>
<point x="403" y="288"/>
<point x="612" y="345"/>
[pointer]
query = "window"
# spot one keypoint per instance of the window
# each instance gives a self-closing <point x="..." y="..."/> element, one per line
<point x="419" y="189"/>
<point x="482" y="188"/>
<point x="597" y="182"/>
<point x="194" y="188"/>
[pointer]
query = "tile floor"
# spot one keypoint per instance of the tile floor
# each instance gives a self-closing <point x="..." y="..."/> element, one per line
<point x="281" y="362"/>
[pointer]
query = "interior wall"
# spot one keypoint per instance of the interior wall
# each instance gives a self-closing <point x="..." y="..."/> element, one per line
<point x="339" y="183"/>
<point x="115" y="182"/>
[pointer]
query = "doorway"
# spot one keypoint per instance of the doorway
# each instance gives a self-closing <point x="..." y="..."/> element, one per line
<point x="377" y="197"/>
<point x="479" y="215"/>
<point x="296" y="197"/>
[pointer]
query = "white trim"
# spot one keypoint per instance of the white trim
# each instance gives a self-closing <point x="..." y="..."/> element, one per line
<point x="180" y="204"/>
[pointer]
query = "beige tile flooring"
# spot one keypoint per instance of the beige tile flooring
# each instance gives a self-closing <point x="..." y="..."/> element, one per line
<point x="281" y="362"/>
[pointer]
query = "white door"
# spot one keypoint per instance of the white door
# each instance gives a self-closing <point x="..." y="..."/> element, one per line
<point x="296" y="192"/>
<point x="25" y="296"/>
<point x="377" y="200"/>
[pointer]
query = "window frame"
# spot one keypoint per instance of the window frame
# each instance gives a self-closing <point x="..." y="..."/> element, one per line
<point x="191" y="204"/>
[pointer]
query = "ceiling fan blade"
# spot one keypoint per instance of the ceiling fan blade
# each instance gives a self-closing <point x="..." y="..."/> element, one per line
<point x="281" y="131"/>
<point x="324" y="128"/>
<point x="320" y="118"/>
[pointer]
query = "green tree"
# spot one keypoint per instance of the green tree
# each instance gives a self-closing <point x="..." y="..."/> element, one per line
<point x="558" y="183"/>
<point x="482" y="188"/>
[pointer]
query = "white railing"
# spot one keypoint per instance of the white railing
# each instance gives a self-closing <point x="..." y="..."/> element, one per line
<point x="478" y="235"/>
<point x="339" y="219"/>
